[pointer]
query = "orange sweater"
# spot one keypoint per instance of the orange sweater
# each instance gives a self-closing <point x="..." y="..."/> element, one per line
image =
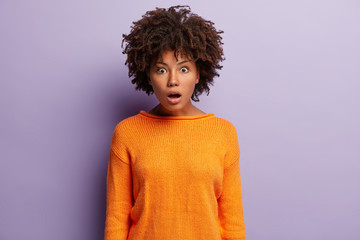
<point x="174" y="178"/>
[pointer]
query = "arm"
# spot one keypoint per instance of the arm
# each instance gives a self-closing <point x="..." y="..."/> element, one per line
<point x="119" y="198"/>
<point x="230" y="206"/>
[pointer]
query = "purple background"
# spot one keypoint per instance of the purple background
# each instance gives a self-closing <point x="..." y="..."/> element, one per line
<point x="290" y="85"/>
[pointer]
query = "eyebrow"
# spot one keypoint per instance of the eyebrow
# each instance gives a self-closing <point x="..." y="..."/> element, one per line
<point x="177" y="64"/>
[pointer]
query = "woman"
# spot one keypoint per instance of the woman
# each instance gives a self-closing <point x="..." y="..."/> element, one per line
<point x="174" y="171"/>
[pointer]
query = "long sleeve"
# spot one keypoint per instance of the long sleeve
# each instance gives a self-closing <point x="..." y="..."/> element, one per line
<point x="230" y="205"/>
<point x="119" y="193"/>
<point x="174" y="177"/>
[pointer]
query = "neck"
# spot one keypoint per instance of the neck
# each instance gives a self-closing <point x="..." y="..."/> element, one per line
<point x="159" y="110"/>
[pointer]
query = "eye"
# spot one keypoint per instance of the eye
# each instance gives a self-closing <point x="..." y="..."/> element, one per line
<point x="184" y="69"/>
<point x="161" y="70"/>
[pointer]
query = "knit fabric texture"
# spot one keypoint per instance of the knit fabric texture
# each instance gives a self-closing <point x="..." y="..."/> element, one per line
<point x="174" y="177"/>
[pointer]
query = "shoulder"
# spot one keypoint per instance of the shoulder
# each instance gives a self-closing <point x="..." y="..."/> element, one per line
<point x="127" y="124"/>
<point x="229" y="133"/>
<point x="125" y="129"/>
<point x="225" y="125"/>
<point x="230" y="141"/>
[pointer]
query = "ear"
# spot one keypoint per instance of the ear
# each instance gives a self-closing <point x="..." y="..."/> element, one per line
<point x="197" y="77"/>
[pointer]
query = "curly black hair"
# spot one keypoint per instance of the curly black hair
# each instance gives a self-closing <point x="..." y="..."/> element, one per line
<point x="175" y="28"/>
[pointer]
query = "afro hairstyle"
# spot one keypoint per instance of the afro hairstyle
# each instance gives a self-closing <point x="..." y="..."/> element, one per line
<point x="177" y="29"/>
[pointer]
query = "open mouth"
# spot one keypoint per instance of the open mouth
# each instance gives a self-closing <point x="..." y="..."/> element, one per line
<point x="176" y="95"/>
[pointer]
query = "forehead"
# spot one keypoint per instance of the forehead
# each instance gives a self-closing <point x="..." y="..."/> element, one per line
<point x="169" y="55"/>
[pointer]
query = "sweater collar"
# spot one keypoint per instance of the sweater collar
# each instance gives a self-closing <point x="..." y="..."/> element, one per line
<point x="146" y="114"/>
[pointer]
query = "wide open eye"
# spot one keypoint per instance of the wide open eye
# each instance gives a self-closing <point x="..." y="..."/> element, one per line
<point x="161" y="70"/>
<point x="184" y="69"/>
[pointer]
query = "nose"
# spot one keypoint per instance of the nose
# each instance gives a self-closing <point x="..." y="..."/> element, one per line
<point x="173" y="80"/>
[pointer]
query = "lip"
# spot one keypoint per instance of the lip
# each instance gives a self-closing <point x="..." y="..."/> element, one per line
<point x="173" y="100"/>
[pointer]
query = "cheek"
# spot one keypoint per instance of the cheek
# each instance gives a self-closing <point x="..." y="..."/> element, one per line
<point x="158" y="90"/>
<point x="191" y="84"/>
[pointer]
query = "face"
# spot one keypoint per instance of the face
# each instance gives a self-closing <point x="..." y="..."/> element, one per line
<point x="173" y="83"/>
